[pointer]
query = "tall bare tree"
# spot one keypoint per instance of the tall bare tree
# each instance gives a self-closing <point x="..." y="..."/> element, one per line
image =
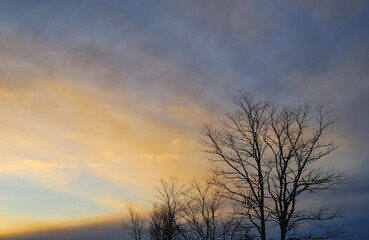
<point x="263" y="155"/>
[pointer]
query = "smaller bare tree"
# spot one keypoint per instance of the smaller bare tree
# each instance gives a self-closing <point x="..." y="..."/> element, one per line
<point x="187" y="211"/>
<point x="206" y="215"/>
<point x="135" y="227"/>
<point x="165" y="217"/>
<point x="202" y="213"/>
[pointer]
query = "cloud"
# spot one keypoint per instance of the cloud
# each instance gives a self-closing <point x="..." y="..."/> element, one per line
<point x="98" y="165"/>
<point x="31" y="164"/>
<point x="180" y="143"/>
<point x="160" y="157"/>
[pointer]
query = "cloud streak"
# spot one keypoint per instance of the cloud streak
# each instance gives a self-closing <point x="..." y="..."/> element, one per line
<point x="31" y="164"/>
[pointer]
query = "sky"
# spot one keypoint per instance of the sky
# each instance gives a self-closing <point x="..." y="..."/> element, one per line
<point x="100" y="99"/>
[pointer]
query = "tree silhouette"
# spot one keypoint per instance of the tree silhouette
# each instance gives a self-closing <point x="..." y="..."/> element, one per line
<point x="165" y="215"/>
<point x="135" y="228"/>
<point x="187" y="211"/>
<point x="264" y="157"/>
<point x="206" y="217"/>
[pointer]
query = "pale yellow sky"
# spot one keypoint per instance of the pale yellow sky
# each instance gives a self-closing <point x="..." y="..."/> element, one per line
<point x="55" y="132"/>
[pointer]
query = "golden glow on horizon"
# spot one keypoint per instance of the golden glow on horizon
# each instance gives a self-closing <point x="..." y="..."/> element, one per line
<point x="12" y="226"/>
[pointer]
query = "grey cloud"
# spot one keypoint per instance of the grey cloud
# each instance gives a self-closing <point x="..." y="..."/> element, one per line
<point x="195" y="52"/>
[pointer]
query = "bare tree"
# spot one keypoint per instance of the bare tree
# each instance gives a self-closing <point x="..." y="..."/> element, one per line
<point x="135" y="228"/>
<point x="165" y="217"/>
<point x="263" y="155"/>
<point x="206" y="215"/>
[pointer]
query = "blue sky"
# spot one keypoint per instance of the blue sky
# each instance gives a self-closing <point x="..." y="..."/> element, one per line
<point x="99" y="99"/>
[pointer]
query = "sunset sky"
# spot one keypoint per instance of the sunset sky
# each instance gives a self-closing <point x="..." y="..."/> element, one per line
<point x="100" y="99"/>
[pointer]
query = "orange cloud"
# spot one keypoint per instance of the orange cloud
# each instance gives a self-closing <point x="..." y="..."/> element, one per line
<point x="161" y="157"/>
<point x="30" y="164"/>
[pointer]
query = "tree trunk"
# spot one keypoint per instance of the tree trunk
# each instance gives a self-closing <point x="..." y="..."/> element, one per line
<point x="283" y="228"/>
<point x="283" y="235"/>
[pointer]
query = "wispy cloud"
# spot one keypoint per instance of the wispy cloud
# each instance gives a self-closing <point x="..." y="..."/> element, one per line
<point x="160" y="157"/>
<point x="31" y="164"/>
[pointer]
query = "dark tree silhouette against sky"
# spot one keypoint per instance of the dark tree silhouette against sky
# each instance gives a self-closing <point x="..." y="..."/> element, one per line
<point x="264" y="155"/>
